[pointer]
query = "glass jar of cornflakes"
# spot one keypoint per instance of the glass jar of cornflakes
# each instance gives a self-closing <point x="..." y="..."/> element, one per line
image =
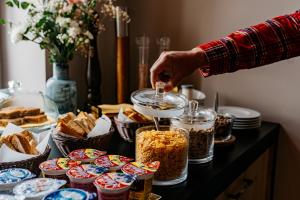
<point x="169" y="146"/>
<point x="200" y="126"/>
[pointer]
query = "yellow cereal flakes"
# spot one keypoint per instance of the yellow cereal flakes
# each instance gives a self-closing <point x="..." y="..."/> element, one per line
<point x="168" y="147"/>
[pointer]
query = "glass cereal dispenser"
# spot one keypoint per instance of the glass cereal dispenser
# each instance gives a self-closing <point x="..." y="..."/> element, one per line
<point x="200" y="126"/>
<point x="168" y="145"/>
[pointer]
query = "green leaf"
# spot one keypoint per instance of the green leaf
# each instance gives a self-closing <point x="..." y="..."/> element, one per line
<point x="2" y="21"/>
<point x="9" y="3"/>
<point x="17" y="3"/>
<point x="25" y="5"/>
<point x="41" y="22"/>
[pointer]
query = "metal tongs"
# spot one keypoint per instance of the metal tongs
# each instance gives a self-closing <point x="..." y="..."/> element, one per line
<point x="216" y="102"/>
<point x="159" y="96"/>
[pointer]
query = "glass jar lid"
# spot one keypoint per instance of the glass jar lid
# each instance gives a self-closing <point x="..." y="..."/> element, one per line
<point x="157" y="103"/>
<point x="194" y="115"/>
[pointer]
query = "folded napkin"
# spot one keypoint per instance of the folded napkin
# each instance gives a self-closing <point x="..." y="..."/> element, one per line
<point x="113" y="108"/>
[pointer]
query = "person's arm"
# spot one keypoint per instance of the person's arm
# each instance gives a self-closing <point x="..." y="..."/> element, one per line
<point x="265" y="43"/>
<point x="274" y="40"/>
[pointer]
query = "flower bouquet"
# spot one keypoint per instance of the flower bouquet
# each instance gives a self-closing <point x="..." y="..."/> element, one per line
<point x="62" y="27"/>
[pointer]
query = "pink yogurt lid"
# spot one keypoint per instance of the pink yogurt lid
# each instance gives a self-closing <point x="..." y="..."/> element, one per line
<point x="114" y="182"/>
<point x="86" y="171"/>
<point x="59" y="164"/>
<point x="86" y="154"/>
<point x="140" y="169"/>
<point x="112" y="161"/>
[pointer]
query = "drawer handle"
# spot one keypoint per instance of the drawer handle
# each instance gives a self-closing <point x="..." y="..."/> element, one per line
<point x="237" y="195"/>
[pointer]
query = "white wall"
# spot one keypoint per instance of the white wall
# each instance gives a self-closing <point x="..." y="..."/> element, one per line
<point x="24" y="61"/>
<point x="270" y="89"/>
<point x="157" y="18"/>
<point x="273" y="90"/>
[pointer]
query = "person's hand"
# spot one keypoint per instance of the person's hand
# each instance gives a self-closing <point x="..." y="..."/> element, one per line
<point x="175" y="65"/>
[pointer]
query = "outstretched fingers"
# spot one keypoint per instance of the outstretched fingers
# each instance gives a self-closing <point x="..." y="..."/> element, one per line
<point x="157" y="68"/>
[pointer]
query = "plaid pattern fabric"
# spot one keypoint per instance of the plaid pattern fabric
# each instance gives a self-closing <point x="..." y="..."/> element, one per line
<point x="271" y="41"/>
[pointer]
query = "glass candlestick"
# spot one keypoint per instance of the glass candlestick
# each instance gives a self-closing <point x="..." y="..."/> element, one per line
<point x="122" y="57"/>
<point x="143" y="47"/>
<point x="163" y="44"/>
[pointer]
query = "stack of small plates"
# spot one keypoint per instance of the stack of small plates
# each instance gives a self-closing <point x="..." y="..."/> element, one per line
<point x="244" y="118"/>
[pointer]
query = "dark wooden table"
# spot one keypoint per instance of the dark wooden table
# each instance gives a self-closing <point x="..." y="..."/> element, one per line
<point x="209" y="180"/>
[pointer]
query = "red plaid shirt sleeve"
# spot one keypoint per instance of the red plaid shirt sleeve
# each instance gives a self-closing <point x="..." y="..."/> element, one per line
<point x="274" y="40"/>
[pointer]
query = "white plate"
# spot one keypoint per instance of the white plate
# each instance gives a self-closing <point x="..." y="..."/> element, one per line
<point x="239" y="112"/>
<point x="255" y="125"/>
<point x="245" y="128"/>
<point x="4" y="98"/>
<point x="247" y="123"/>
<point x="248" y="120"/>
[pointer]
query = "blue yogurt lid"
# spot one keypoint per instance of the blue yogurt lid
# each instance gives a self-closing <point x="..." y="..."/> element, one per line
<point x="14" y="175"/>
<point x="67" y="194"/>
<point x="38" y="188"/>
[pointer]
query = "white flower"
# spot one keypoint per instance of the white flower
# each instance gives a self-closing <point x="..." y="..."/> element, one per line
<point x="74" y="29"/>
<point x="63" y="21"/>
<point x="89" y="35"/>
<point x="17" y="33"/>
<point x="67" y="8"/>
<point x="62" y="37"/>
<point x="74" y="24"/>
<point x="53" y="4"/>
<point x="73" y="32"/>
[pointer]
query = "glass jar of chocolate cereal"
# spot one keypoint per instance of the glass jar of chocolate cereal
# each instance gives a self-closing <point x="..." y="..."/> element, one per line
<point x="200" y="126"/>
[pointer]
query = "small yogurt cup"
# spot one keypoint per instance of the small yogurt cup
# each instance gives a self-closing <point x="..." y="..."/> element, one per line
<point x="57" y="168"/>
<point x="86" y="155"/>
<point x="113" y="162"/>
<point x="142" y="186"/>
<point x="114" y="186"/>
<point x="83" y="176"/>
<point x="67" y="194"/>
<point x="37" y="188"/>
<point x="11" y="177"/>
<point x="10" y="197"/>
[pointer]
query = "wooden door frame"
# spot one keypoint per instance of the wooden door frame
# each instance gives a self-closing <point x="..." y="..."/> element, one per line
<point x="1" y="47"/>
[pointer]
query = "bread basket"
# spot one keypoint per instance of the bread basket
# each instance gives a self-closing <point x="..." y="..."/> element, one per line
<point x="127" y="129"/>
<point x="31" y="164"/>
<point x="66" y="143"/>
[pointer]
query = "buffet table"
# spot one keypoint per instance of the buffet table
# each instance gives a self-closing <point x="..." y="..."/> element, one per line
<point x="209" y="180"/>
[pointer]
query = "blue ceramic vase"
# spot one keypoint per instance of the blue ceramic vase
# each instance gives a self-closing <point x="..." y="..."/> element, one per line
<point x="62" y="90"/>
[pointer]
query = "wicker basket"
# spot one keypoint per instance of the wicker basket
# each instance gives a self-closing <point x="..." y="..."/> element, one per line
<point x="31" y="164"/>
<point x="127" y="129"/>
<point x="66" y="144"/>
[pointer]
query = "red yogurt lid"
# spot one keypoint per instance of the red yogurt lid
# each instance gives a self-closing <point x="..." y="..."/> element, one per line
<point x="140" y="169"/>
<point x="59" y="164"/>
<point x="114" y="181"/>
<point x="86" y="171"/>
<point x="112" y="161"/>
<point x="83" y="154"/>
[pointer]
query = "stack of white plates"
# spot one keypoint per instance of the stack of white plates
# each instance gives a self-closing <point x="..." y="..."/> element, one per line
<point x="244" y="118"/>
